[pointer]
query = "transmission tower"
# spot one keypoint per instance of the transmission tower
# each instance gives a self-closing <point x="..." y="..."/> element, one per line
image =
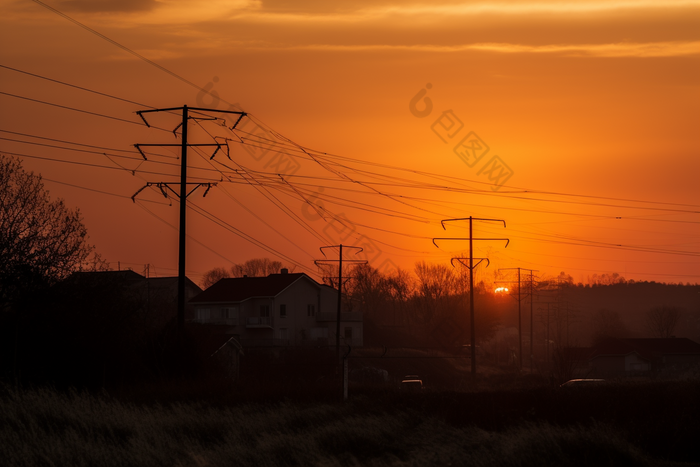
<point x="183" y="185"/>
<point x="520" y="328"/>
<point x="340" y="282"/>
<point x="471" y="272"/>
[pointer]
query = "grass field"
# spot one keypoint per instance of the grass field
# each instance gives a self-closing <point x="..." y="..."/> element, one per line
<point x="646" y="425"/>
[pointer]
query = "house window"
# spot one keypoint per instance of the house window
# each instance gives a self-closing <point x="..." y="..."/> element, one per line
<point x="203" y="313"/>
<point x="284" y="334"/>
<point x="264" y="311"/>
<point x="348" y="333"/>
<point x="283" y="311"/>
<point x="311" y="310"/>
<point x="229" y="313"/>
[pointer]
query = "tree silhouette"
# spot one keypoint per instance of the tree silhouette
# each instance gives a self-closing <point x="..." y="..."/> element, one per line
<point x="662" y="320"/>
<point x="435" y="287"/>
<point x="257" y="267"/>
<point x="607" y="324"/>
<point x="41" y="241"/>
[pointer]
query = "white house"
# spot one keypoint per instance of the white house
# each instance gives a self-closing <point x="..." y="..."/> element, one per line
<point x="278" y="310"/>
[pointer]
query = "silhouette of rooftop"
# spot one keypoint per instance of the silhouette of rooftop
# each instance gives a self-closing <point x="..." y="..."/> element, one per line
<point x="242" y="288"/>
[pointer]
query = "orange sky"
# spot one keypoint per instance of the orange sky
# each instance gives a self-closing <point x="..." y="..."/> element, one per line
<point x="595" y="99"/>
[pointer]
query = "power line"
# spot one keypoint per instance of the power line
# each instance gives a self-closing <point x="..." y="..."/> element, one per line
<point x="130" y="151"/>
<point x="75" y="86"/>
<point x="123" y="47"/>
<point x="117" y="195"/>
<point x="86" y="164"/>
<point x="102" y="36"/>
<point x="299" y="147"/>
<point x="217" y="220"/>
<point x="138" y="203"/>
<point x="76" y="110"/>
<point x="138" y="159"/>
<point x="69" y="142"/>
<point x="135" y="159"/>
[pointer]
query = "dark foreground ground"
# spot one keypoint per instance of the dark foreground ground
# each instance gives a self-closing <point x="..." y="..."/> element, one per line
<point x="645" y="424"/>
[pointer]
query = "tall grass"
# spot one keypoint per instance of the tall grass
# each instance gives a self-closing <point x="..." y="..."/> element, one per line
<point x="47" y="427"/>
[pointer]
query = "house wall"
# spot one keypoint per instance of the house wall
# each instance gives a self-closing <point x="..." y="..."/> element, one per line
<point x="608" y="364"/>
<point x="297" y="298"/>
<point x="619" y="364"/>
<point x="680" y="360"/>
<point x="329" y="305"/>
<point x="303" y="329"/>
<point x="634" y="363"/>
<point x="298" y="328"/>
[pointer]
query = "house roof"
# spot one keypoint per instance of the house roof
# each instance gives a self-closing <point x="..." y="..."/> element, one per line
<point x="666" y="346"/>
<point x="171" y="283"/>
<point x="239" y="289"/>
<point x="129" y="275"/>
<point x="577" y="353"/>
<point x="647" y="348"/>
<point x="125" y="275"/>
<point x="208" y="340"/>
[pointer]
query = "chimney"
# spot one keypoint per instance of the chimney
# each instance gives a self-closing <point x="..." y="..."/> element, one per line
<point x="284" y="271"/>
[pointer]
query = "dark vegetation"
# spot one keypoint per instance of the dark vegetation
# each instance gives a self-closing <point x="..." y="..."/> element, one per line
<point x="642" y="424"/>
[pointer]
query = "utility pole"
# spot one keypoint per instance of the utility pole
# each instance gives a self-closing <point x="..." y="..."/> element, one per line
<point x="340" y="283"/>
<point x="471" y="273"/>
<point x="545" y="321"/>
<point x="547" y="332"/>
<point x="183" y="194"/>
<point x="520" y="323"/>
<point x="532" y="336"/>
<point x="471" y="267"/>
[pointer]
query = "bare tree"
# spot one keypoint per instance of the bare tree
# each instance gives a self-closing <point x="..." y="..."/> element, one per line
<point x="662" y="320"/>
<point x="41" y="240"/>
<point x="257" y="267"/>
<point x="606" y="279"/>
<point x="400" y="288"/>
<point x="213" y="276"/>
<point x="368" y="287"/>
<point x="436" y="283"/>
<point x="607" y="324"/>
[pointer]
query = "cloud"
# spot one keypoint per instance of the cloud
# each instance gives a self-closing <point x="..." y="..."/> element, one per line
<point x="655" y="49"/>
<point x="640" y="50"/>
<point x="349" y="8"/>
<point x="106" y="6"/>
<point x="578" y="29"/>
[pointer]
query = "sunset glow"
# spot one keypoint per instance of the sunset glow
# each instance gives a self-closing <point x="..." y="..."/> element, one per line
<point x="369" y="123"/>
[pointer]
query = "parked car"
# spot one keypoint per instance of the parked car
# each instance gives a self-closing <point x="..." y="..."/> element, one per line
<point x="577" y="383"/>
<point x="411" y="383"/>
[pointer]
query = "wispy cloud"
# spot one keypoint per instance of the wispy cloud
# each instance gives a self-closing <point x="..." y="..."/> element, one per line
<point x="106" y="6"/>
<point x="655" y="49"/>
<point x="312" y="10"/>
<point x="587" y="29"/>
